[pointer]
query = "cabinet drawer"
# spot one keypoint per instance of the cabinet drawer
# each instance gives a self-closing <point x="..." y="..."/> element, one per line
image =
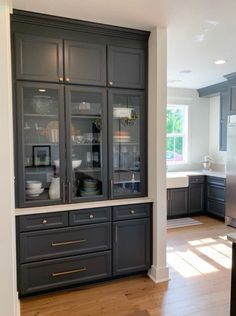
<point x="196" y="179"/>
<point x="42" y="221"/>
<point x="35" y="246"/>
<point x="131" y="211"/>
<point x="216" y="208"/>
<point x="215" y="192"/>
<point x="95" y="215"/>
<point x="216" y="180"/>
<point x="57" y="273"/>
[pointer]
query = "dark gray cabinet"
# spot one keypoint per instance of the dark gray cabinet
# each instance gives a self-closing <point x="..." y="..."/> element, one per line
<point x="196" y="198"/>
<point x="38" y="58"/>
<point x="85" y="63"/>
<point x="216" y="192"/>
<point x="126" y="67"/>
<point x="224" y="111"/>
<point x="232" y="99"/>
<point x="89" y="247"/>
<point x="76" y="138"/>
<point x="177" y="202"/>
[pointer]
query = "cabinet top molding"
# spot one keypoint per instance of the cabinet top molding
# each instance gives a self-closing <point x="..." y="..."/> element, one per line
<point x="77" y="25"/>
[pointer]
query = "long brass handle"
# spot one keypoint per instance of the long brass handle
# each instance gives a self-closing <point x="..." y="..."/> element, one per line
<point x="116" y="234"/>
<point x="71" y="242"/>
<point x="64" y="192"/>
<point x="55" y="274"/>
<point x="111" y="185"/>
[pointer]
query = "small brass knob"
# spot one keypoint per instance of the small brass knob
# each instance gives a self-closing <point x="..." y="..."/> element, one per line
<point x="44" y="221"/>
<point x="132" y="211"/>
<point x="91" y="216"/>
<point x="110" y="83"/>
<point x="61" y="79"/>
<point x="67" y="79"/>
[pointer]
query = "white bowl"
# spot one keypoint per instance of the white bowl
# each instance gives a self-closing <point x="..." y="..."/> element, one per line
<point x="34" y="192"/>
<point x="33" y="184"/>
<point x="75" y="163"/>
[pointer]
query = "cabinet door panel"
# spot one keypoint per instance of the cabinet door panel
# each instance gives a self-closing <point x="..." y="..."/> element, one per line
<point x="179" y="201"/>
<point x="216" y="192"/>
<point x="232" y="92"/>
<point x="40" y="144"/>
<point x="131" y="246"/>
<point x="216" y="208"/>
<point x="85" y="63"/>
<point x="86" y="143"/>
<point x="127" y="143"/>
<point x="196" y="198"/>
<point x="126" y="67"/>
<point x="38" y="58"/>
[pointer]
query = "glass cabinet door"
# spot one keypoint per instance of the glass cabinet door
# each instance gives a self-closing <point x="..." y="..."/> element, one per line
<point x="127" y="143"/>
<point x="87" y="163"/>
<point x="41" y="172"/>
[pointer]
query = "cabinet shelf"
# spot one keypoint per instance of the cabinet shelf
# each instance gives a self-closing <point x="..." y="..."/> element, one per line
<point x="88" y="170"/>
<point x="41" y="144"/>
<point x="83" y="116"/>
<point x="87" y="144"/>
<point x="125" y="144"/>
<point x="41" y="115"/>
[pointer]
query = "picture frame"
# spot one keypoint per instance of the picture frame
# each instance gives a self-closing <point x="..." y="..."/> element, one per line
<point x="41" y="156"/>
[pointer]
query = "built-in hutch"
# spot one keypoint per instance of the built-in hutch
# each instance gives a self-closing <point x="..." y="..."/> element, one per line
<point x="80" y="118"/>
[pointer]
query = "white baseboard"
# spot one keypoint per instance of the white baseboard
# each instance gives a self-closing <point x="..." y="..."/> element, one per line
<point x="159" y="275"/>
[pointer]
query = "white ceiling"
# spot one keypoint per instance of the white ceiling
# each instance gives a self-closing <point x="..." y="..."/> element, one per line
<point x="199" y="31"/>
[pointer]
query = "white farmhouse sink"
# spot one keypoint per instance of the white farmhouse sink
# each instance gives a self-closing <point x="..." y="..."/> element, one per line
<point x="176" y="180"/>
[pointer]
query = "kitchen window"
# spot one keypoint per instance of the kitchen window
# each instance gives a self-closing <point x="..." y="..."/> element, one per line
<point x="176" y="129"/>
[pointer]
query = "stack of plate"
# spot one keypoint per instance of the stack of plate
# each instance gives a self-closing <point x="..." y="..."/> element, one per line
<point x="34" y="188"/>
<point x="89" y="187"/>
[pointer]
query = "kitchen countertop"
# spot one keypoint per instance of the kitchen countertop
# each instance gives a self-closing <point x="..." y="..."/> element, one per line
<point x="219" y="174"/>
<point x="232" y="237"/>
<point x="80" y="206"/>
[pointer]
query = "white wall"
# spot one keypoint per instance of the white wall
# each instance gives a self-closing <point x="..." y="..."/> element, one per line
<point x="8" y="294"/>
<point x="198" y="126"/>
<point x="218" y="157"/>
<point x="156" y="150"/>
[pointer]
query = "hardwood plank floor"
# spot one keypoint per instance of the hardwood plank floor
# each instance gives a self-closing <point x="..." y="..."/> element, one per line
<point x="199" y="258"/>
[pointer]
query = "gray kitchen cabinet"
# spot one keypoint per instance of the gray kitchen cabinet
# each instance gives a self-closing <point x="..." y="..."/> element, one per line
<point x="177" y="200"/>
<point x="38" y="58"/>
<point x="88" y="247"/>
<point x="85" y="63"/>
<point x="196" y="194"/>
<point x="126" y="67"/>
<point x="216" y="193"/>
<point x="232" y="99"/>
<point x="224" y="111"/>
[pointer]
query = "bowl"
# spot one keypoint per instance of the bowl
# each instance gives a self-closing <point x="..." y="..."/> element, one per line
<point x="33" y="184"/>
<point x="34" y="192"/>
<point x="75" y="163"/>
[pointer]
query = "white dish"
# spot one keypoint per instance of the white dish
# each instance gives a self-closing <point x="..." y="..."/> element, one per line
<point x="75" y="163"/>
<point x="33" y="192"/>
<point x="33" y="184"/>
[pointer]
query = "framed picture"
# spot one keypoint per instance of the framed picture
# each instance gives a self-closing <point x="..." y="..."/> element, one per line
<point x="41" y="156"/>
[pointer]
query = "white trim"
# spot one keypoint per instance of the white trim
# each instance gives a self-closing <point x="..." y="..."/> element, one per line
<point x="159" y="275"/>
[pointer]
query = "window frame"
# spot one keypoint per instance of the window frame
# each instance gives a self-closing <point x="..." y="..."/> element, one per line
<point x="184" y="134"/>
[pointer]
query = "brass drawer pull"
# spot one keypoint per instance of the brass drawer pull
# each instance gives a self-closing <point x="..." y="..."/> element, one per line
<point x="132" y="211"/>
<point x="55" y="274"/>
<point x="91" y="216"/>
<point x="44" y="221"/>
<point x="64" y="243"/>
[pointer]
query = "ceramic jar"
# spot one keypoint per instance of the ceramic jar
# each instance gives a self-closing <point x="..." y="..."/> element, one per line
<point x="54" y="189"/>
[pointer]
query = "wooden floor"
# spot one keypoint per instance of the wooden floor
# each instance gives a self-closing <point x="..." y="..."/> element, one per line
<point x="199" y="258"/>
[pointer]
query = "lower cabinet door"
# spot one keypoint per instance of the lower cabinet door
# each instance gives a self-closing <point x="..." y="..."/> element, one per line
<point x="179" y="201"/>
<point x="56" y="273"/>
<point x="131" y="246"/>
<point x="196" y="198"/>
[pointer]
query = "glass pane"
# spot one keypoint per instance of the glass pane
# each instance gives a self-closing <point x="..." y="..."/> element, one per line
<point x="174" y="120"/>
<point x="179" y="148"/>
<point x="41" y="144"/>
<point x="126" y="144"/>
<point x="169" y="121"/>
<point x="170" y="148"/>
<point x="86" y="140"/>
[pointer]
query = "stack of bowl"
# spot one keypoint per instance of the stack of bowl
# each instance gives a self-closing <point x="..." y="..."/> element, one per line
<point x="89" y="187"/>
<point x="34" y="188"/>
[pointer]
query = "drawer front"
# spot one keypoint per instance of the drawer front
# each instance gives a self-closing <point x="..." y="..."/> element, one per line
<point x="215" y="192"/>
<point x="89" y="216"/>
<point x="196" y="179"/>
<point x="217" y="181"/>
<point x="43" y="221"/>
<point x="58" y="273"/>
<point x="35" y="246"/>
<point x="131" y="211"/>
<point x="216" y="208"/>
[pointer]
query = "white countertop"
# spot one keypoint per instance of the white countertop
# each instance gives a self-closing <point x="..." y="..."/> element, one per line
<point x="232" y="237"/>
<point x="80" y="206"/>
<point x="219" y="174"/>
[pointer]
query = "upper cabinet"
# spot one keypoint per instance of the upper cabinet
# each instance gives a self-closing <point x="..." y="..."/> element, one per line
<point x="85" y="63"/>
<point x="232" y="103"/>
<point x="38" y="58"/>
<point x="126" y="67"/>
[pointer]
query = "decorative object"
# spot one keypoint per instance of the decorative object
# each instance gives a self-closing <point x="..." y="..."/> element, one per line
<point x="33" y="184"/>
<point x="42" y="104"/>
<point x="207" y="163"/>
<point x="75" y="163"/>
<point x="34" y="192"/>
<point x="54" y="189"/>
<point x="41" y="156"/>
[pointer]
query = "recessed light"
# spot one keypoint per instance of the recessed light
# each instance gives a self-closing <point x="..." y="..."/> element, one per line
<point x="186" y="71"/>
<point x="220" y="62"/>
<point x="41" y="90"/>
<point x="174" y="80"/>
